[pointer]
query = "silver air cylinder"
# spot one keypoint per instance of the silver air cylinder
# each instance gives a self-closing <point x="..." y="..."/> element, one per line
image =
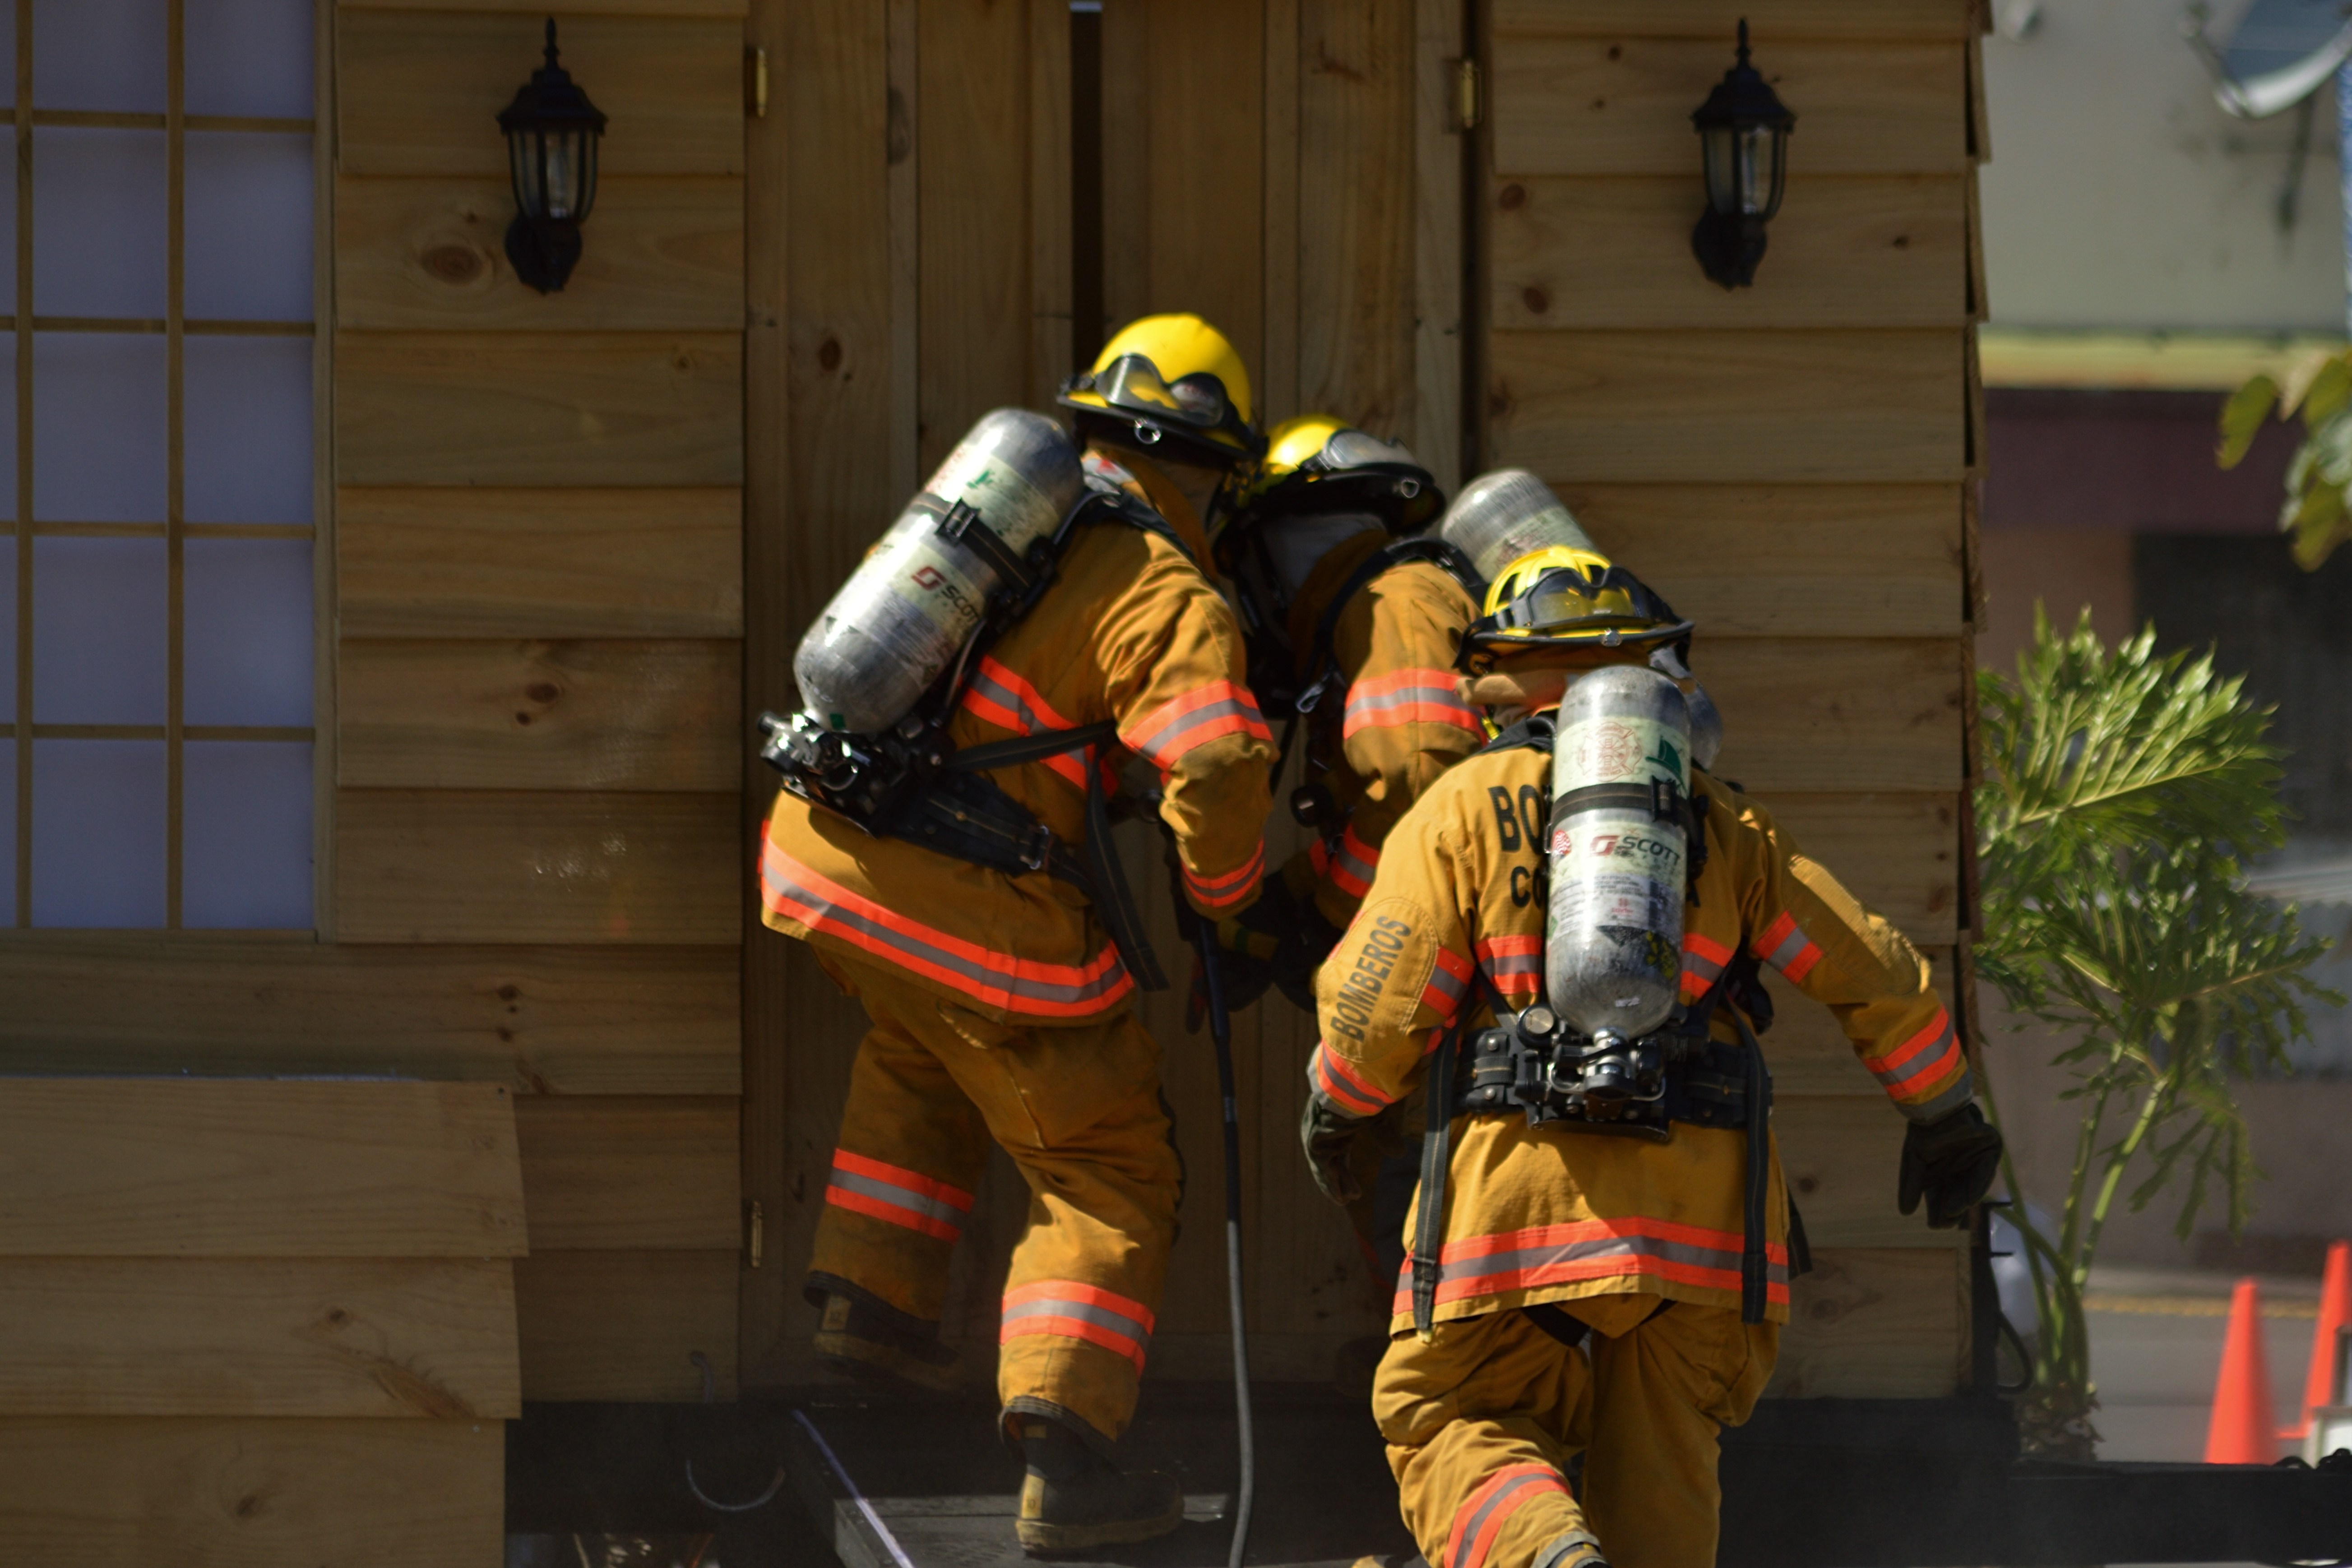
<point x="1613" y="933"/>
<point x="907" y="610"/>
<point x="1501" y="516"/>
<point x="1706" y="718"/>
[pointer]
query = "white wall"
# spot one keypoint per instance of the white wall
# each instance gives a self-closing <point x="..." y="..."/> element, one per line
<point x="2121" y="196"/>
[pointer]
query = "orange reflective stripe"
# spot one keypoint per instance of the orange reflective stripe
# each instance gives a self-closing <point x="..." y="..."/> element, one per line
<point x="1480" y="1518"/>
<point x="1704" y="960"/>
<point x="1407" y="697"/>
<point x="1073" y="1310"/>
<point x="1195" y="718"/>
<point x="1627" y="1247"/>
<point x="883" y="1190"/>
<point x="1515" y="963"/>
<point x="1352" y="867"/>
<point x="1785" y="946"/>
<point x="1225" y="891"/>
<point x="1343" y="1086"/>
<point x="1447" y="982"/>
<point x="798" y="893"/>
<point x="998" y="694"/>
<point x="1926" y="1075"/>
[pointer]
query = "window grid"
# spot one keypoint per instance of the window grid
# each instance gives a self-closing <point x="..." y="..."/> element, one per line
<point x="175" y="123"/>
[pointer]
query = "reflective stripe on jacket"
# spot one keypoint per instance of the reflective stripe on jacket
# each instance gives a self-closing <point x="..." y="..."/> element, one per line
<point x="1390" y="723"/>
<point x="1538" y="1215"/>
<point x="1132" y="632"/>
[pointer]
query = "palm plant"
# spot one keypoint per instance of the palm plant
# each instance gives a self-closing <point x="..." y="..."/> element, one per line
<point x="2124" y="792"/>
<point x="2317" y="513"/>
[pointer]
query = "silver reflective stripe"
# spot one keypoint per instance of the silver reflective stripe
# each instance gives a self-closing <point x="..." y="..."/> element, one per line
<point x="1795" y="942"/>
<point x="1528" y="1259"/>
<point x="1932" y="1056"/>
<point x="1110" y="1318"/>
<point x="896" y="1197"/>
<point x="1951" y="1099"/>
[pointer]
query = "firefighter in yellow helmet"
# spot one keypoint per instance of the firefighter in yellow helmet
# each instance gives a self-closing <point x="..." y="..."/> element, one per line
<point x="1620" y="1296"/>
<point x="1001" y="1010"/>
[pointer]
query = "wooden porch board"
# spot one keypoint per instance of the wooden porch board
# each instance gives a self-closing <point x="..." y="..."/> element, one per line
<point x="1858" y="714"/>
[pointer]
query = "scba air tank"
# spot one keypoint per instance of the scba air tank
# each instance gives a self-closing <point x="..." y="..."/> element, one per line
<point x="906" y="612"/>
<point x="1614" y="930"/>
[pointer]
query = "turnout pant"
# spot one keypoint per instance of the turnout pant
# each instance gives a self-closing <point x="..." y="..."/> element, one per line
<point x="1077" y="1106"/>
<point x="1480" y="1426"/>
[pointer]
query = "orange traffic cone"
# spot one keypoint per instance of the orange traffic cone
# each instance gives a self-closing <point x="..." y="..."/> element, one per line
<point x="2335" y="1317"/>
<point x="2245" y="1427"/>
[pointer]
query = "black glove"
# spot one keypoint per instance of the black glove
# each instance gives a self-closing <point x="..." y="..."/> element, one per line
<point x="1305" y="940"/>
<point x="1326" y="1136"/>
<point x="1951" y="1160"/>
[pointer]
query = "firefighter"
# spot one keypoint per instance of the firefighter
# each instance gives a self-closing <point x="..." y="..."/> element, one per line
<point x="1602" y="1294"/>
<point x="999" y="1007"/>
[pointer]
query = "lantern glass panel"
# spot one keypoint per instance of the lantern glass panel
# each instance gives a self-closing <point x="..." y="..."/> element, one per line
<point x="1715" y="145"/>
<point x="571" y="173"/>
<point x="522" y="154"/>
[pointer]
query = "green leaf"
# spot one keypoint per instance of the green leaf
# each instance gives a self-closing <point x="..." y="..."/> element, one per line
<point x="2242" y="419"/>
<point x="2304" y="375"/>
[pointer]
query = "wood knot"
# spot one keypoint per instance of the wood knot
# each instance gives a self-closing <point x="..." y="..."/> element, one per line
<point x="337" y="1317"/>
<point x="248" y="1505"/>
<point x="1537" y="301"/>
<point x="1616" y="51"/>
<point x="455" y="263"/>
<point x="509" y="992"/>
<point x="828" y="354"/>
<point x="1808" y="1185"/>
<point x="1902" y="242"/>
<point x="1511" y="197"/>
<point x="541" y="691"/>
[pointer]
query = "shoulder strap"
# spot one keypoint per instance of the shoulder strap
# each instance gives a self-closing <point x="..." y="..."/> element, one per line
<point x="1533" y="734"/>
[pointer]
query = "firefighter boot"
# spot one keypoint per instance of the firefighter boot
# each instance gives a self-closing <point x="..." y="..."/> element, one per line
<point x="857" y="1337"/>
<point x="1072" y="1498"/>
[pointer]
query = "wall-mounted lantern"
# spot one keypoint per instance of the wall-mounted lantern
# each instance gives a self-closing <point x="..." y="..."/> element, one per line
<point x="551" y="131"/>
<point x="1743" y="132"/>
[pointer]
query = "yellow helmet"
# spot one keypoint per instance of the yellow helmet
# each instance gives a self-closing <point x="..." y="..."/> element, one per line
<point x="1316" y="464"/>
<point x="1173" y="379"/>
<point x="1559" y="596"/>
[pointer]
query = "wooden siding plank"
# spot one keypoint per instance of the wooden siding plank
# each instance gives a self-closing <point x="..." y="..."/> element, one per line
<point x="1356" y="205"/>
<point x="1840" y="1154"/>
<point x="1719" y="19"/>
<point x="549" y="1020"/>
<point x="251" y="1336"/>
<point x="1046" y="43"/>
<point x="429" y="255"/>
<point x="466" y="865"/>
<point x="611" y="1172"/>
<point x="1439" y="243"/>
<point x="1621" y="105"/>
<point x="620" y="1325"/>
<point x="1875" y="1323"/>
<point x="1628" y="406"/>
<point x="1859" y="251"/>
<point x="531" y="408"/>
<point x="229" y="1168"/>
<point x="417" y="91"/>
<point x="541" y="563"/>
<point x="571" y="7"/>
<point x="251" y="1493"/>
<point x="1896" y="853"/>
<point x="1859" y="714"/>
<point x="608" y="714"/>
<point x="1844" y="560"/>
<point x="972" y="258"/>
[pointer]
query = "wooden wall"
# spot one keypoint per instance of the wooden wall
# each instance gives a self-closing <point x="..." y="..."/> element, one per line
<point x="1791" y="464"/>
<point x="534" y="873"/>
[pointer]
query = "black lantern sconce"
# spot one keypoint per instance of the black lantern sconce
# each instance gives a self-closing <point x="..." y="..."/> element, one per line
<point x="1743" y="132"/>
<point x="552" y="131"/>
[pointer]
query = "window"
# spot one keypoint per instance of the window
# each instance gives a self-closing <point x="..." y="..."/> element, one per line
<point x="156" y="588"/>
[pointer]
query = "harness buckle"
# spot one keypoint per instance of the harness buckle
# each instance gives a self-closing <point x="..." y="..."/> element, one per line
<point x="1306" y="700"/>
<point x="1036" y="848"/>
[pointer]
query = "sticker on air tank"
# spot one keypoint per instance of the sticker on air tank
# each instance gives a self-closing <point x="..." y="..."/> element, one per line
<point x="1613" y="899"/>
<point x="1639" y="849"/>
<point x="1610" y="751"/>
<point x="1018" y="511"/>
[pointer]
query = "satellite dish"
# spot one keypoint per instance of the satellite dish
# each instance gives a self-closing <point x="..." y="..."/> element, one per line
<point x="2281" y="52"/>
